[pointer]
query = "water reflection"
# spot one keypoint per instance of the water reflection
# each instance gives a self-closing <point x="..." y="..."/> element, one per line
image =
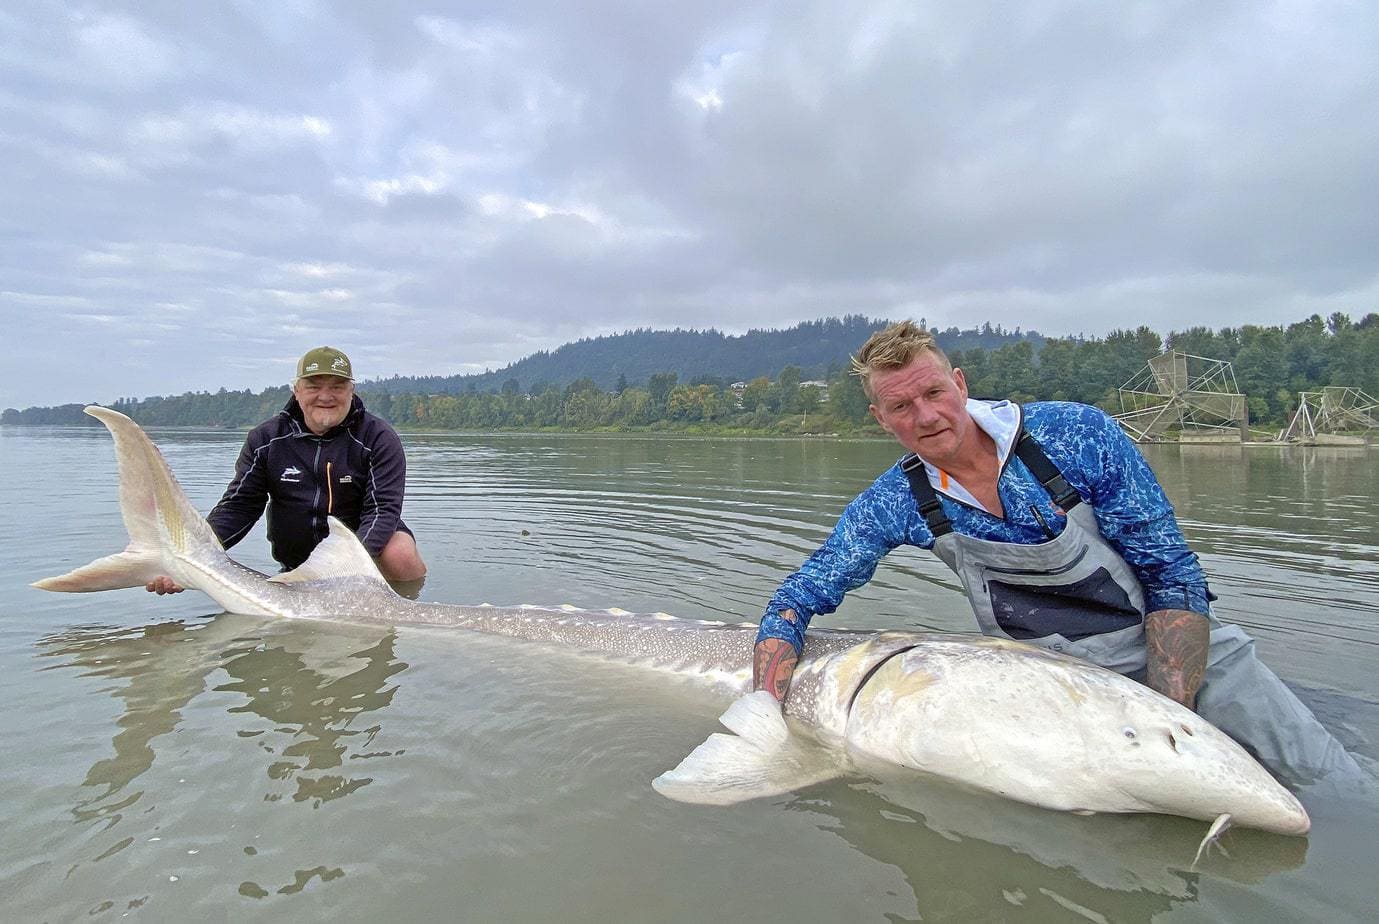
<point x="313" y="694"/>
<point x="272" y="724"/>
<point x="165" y="666"/>
<point x="314" y="711"/>
<point x="969" y="857"/>
<point x="1278" y="502"/>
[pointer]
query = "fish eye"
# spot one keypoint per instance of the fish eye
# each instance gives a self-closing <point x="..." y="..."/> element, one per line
<point x="1128" y="732"/>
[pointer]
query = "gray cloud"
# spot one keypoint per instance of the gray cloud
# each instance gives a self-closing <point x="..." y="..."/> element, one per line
<point x="191" y="196"/>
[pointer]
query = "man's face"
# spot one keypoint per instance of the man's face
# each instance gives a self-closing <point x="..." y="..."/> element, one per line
<point x="924" y="406"/>
<point x="325" y="400"/>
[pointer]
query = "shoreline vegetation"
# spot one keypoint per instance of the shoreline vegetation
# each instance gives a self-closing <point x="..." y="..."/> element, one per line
<point x="1272" y="365"/>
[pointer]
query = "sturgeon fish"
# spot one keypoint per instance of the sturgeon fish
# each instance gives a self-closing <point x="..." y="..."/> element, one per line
<point x="989" y="714"/>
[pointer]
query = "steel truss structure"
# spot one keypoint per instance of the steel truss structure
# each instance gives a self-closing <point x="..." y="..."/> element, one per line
<point x="1178" y="391"/>
<point x="1335" y="410"/>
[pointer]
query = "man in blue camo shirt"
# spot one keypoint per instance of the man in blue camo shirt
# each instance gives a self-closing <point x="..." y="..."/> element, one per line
<point x="1061" y="536"/>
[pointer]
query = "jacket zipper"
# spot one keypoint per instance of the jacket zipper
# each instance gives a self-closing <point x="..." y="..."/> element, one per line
<point x="330" y="491"/>
<point x="316" y="498"/>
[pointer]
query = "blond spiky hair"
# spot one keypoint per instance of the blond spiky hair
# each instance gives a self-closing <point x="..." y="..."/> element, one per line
<point x="894" y="348"/>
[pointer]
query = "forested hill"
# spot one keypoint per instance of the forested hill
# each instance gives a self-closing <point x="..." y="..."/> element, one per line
<point x="685" y="379"/>
<point x="816" y="348"/>
<point x="812" y="350"/>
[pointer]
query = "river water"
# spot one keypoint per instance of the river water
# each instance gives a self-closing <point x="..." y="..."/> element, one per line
<point x="166" y="762"/>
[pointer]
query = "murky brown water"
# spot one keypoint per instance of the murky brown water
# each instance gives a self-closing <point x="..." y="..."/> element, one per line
<point x="165" y="762"/>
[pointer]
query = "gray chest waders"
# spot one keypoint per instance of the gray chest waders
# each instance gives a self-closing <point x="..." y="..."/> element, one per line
<point x="1072" y="594"/>
<point x="1075" y="594"/>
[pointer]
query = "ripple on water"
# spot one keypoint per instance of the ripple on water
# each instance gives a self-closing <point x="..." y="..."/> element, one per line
<point x="330" y="773"/>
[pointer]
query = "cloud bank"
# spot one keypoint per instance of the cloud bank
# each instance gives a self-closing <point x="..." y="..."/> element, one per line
<point x="193" y="196"/>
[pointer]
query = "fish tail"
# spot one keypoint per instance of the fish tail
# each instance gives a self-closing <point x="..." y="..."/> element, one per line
<point x="163" y="525"/>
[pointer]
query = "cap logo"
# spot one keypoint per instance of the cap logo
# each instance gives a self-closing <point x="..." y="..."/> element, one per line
<point x="340" y="363"/>
<point x="312" y="367"/>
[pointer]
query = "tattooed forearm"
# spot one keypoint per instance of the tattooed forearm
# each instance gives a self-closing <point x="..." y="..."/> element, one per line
<point x="1176" y="642"/>
<point x="773" y="664"/>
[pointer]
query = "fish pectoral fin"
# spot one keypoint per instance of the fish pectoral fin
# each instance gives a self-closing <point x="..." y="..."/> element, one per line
<point x="763" y="759"/>
<point x="339" y="555"/>
<point x="757" y="717"/>
<point x="1218" y="828"/>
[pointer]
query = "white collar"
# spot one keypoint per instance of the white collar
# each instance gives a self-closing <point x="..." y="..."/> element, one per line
<point x="1001" y="421"/>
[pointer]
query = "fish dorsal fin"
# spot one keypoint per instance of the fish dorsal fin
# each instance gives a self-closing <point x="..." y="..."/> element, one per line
<point x="340" y="555"/>
<point x="761" y="759"/>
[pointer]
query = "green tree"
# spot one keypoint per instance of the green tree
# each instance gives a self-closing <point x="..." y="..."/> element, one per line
<point x="755" y="394"/>
<point x="659" y="387"/>
<point x="783" y="395"/>
<point x="847" y="402"/>
<point x="632" y="408"/>
<point x="584" y="408"/>
<point x="1308" y="353"/>
<point x="1059" y="374"/>
<point x="1013" y="371"/>
<point x="1261" y="367"/>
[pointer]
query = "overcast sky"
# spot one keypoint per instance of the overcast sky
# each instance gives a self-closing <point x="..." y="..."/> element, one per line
<point x="195" y="193"/>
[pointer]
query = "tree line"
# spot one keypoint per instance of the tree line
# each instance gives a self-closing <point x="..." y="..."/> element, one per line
<point x="693" y="355"/>
<point x="1272" y="364"/>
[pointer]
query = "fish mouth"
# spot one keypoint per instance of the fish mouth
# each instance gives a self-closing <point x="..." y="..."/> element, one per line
<point x="1278" y="813"/>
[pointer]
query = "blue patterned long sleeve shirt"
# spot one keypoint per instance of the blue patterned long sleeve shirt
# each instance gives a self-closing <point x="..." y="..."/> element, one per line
<point x="1099" y="462"/>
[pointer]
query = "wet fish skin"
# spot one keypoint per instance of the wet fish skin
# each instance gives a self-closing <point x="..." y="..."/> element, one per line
<point x="1000" y="716"/>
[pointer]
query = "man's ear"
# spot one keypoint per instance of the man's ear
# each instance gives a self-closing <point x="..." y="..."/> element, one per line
<point x="961" y="380"/>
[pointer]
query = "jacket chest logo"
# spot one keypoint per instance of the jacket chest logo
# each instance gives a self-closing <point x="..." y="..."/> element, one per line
<point x="346" y="479"/>
<point x="291" y="473"/>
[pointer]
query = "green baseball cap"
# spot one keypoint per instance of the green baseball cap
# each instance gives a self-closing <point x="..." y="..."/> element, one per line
<point x="325" y="361"/>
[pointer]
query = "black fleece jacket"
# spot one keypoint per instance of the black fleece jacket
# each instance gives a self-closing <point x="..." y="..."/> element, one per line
<point x="355" y="472"/>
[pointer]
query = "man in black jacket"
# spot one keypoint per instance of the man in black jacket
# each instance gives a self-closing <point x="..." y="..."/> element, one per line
<point x="322" y="455"/>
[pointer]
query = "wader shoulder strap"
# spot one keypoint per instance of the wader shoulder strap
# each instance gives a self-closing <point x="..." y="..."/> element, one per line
<point x="924" y="495"/>
<point x="1029" y="452"/>
<point x="1048" y="474"/>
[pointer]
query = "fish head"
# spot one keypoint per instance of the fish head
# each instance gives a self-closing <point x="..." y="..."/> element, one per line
<point x="1051" y="730"/>
<point x="1176" y="762"/>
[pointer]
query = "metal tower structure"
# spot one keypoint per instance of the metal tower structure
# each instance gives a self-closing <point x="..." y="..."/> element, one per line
<point x="1333" y="411"/>
<point x="1193" y="395"/>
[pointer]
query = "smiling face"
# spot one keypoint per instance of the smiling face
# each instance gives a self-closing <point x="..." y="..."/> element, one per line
<point x="924" y="406"/>
<point x="325" y="400"/>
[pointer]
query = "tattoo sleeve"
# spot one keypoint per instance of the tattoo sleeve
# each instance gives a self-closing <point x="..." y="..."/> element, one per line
<point x="773" y="664"/>
<point x="1176" y="651"/>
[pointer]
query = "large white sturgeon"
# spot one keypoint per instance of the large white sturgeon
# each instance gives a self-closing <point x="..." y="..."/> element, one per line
<point x="999" y="716"/>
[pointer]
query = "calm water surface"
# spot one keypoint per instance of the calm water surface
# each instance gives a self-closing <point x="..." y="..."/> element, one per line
<point x="166" y="762"/>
